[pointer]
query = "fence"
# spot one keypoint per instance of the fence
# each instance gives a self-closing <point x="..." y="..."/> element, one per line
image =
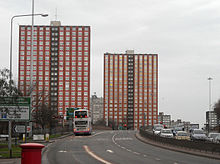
<point x="197" y="145"/>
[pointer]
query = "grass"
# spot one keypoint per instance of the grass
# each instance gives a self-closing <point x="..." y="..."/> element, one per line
<point x="55" y="136"/>
<point x="16" y="150"/>
<point x="4" y="151"/>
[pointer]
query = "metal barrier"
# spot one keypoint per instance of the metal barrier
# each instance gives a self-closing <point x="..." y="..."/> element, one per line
<point x="197" y="145"/>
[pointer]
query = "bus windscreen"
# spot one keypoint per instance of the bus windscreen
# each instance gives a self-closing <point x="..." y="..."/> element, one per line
<point x="80" y="114"/>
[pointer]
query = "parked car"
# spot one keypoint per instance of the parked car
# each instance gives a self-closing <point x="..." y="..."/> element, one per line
<point x="182" y="135"/>
<point x="217" y="139"/>
<point x="177" y="129"/>
<point x="157" y="130"/>
<point x="166" y="133"/>
<point x="212" y="136"/>
<point x="198" y="134"/>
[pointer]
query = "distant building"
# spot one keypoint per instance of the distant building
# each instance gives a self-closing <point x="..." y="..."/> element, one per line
<point x="130" y="89"/>
<point x="184" y="125"/>
<point x="211" y="120"/>
<point x="61" y="65"/>
<point x="96" y="108"/>
<point x="177" y="123"/>
<point x="164" y="119"/>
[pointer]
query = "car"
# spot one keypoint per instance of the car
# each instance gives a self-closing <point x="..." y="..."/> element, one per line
<point x="212" y="136"/>
<point x="166" y="133"/>
<point x="182" y="135"/>
<point x="157" y="130"/>
<point x="198" y="134"/>
<point x="217" y="139"/>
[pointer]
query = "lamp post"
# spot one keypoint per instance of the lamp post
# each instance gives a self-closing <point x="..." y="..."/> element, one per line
<point x="22" y="15"/>
<point x="10" y="73"/>
<point x="210" y="105"/>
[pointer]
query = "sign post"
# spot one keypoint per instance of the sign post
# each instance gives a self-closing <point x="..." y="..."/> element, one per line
<point x="14" y="108"/>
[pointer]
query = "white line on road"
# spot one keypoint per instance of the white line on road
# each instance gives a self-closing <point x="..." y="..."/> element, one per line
<point x="157" y="159"/>
<point x="136" y="153"/>
<point x="95" y="156"/>
<point x="110" y="151"/>
<point x="62" y="151"/>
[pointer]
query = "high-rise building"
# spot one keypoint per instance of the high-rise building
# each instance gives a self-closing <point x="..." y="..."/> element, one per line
<point x="61" y="66"/>
<point x="130" y="89"/>
<point x="211" y="120"/>
<point x="164" y="119"/>
<point x="96" y="104"/>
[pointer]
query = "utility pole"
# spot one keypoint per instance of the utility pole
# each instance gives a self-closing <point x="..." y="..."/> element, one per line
<point x="210" y="99"/>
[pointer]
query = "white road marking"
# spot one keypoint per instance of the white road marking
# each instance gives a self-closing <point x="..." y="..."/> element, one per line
<point x="123" y="139"/>
<point x="95" y="156"/>
<point x="62" y="151"/>
<point x="157" y="159"/>
<point x="136" y="153"/>
<point x="110" y="151"/>
<point x="101" y="139"/>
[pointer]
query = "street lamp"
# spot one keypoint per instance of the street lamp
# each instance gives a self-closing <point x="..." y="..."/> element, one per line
<point x="22" y="15"/>
<point x="210" y="105"/>
<point x="10" y="74"/>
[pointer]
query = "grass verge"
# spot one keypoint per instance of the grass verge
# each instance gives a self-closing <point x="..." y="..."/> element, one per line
<point x="4" y="151"/>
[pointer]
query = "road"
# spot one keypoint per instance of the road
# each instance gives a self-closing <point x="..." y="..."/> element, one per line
<point x="114" y="147"/>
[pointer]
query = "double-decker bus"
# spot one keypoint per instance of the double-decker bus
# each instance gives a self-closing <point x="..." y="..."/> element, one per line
<point x="82" y="122"/>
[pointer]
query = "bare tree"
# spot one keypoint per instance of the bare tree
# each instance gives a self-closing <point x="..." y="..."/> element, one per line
<point x="44" y="116"/>
<point x="217" y="111"/>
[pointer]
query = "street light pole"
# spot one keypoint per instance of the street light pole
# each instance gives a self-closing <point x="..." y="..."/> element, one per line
<point x="32" y="34"/>
<point x="10" y="73"/>
<point x="22" y="15"/>
<point x="210" y="105"/>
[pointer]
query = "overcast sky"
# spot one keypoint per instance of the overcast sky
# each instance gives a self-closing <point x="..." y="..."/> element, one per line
<point x="184" y="33"/>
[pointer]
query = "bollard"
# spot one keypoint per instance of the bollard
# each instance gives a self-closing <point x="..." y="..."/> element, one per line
<point x="31" y="153"/>
<point x="47" y="137"/>
<point x="23" y="137"/>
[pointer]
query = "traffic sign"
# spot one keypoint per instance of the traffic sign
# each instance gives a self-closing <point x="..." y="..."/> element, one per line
<point x="21" y="129"/>
<point x="15" y="108"/>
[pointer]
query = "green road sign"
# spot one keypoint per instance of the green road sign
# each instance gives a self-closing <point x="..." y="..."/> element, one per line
<point x="15" y="108"/>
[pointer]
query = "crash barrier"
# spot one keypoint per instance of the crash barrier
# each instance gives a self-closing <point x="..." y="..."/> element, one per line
<point x="197" y="145"/>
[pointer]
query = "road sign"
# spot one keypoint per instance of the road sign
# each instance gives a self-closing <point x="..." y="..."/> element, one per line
<point x="15" y="108"/>
<point x="21" y="129"/>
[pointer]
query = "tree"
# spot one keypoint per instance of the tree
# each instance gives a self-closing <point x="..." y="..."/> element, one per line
<point x="217" y="111"/>
<point x="7" y="86"/>
<point x="44" y="116"/>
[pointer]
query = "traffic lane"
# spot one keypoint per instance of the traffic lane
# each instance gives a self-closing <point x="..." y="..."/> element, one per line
<point x="68" y="151"/>
<point x="103" y="146"/>
<point x="160" y="153"/>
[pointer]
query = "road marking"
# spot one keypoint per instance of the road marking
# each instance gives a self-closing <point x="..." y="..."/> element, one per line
<point x="114" y="139"/>
<point x="157" y="159"/>
<point x="101" y="139"/>
<point x="123" y="139"/>
<point x="95" y="156"/>
<point x="62" y="151"/>
<point x="136" y="153"/>
<point x="110" y="151"/>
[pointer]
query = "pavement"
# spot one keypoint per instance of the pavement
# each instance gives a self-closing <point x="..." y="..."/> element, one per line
<point x="179" y="149"/>
<point x="18" y="160"/>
